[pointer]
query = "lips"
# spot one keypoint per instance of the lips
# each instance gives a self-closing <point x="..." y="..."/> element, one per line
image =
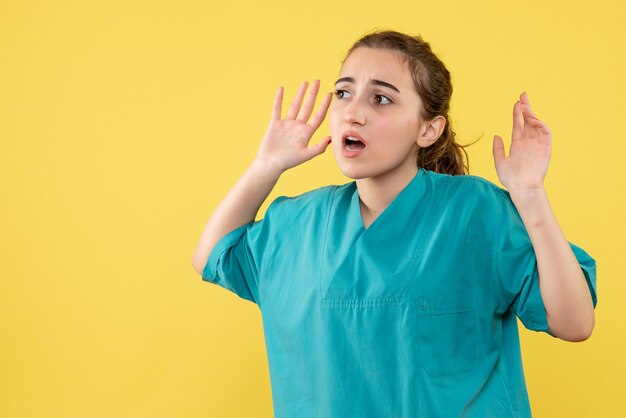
<point x="352" y="134"/>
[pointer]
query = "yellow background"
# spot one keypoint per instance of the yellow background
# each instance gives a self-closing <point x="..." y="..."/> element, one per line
<point x="124" y="123"/>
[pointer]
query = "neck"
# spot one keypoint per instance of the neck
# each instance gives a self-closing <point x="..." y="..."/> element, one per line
<point x="376" y="193"/>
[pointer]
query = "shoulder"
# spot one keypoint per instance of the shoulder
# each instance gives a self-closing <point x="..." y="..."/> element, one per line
<point x="467" y="188"/>
<point x="311" y="200"/>
<point x="465" y="184"/>
<point x="286" y="213"/>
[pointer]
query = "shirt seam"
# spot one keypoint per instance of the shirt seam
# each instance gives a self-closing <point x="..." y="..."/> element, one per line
<point x="436" y="194"/>
<point x="256" y="272"/>
<point x="494" y="257"/>
<point x="329" y="205"/>
<point x="261" y="270"/>
<point x="506" y="392"/>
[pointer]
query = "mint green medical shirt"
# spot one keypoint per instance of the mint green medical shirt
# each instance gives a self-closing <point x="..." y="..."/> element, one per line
<point x="414" y="316"/>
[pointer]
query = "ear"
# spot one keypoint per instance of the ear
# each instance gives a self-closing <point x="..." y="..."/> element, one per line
<point x="431" y="131"/>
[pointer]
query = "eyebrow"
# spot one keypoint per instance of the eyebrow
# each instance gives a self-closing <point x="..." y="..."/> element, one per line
<point x="373" y="81"/>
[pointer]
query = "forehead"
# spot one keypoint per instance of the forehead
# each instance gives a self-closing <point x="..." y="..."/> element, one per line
<point x="365" y="63"/>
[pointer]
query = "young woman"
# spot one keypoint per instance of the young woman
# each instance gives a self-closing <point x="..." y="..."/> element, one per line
<point x="396" y="295"/>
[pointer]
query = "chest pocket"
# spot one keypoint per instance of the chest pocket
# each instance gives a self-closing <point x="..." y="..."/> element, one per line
<point x="447" y="339"/>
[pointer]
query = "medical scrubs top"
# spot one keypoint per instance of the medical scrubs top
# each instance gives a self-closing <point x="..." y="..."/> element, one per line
<point x="413" y="316"/>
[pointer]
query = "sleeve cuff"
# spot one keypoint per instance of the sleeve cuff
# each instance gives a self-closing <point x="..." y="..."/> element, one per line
<point x="209" y="273"/>
<point x="590" y="274"/>
<point x="537" y="309"/>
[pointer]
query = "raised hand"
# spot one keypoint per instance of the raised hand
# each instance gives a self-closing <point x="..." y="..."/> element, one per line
<point x="285" y="143"/>
<point x="531" y="145"/>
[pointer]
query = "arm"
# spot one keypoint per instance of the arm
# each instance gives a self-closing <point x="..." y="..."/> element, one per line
<point x="564" y="291"/>
<point x="563" y="286"/>
<point x="239" y="207"/>
<point x="283" y="146"/>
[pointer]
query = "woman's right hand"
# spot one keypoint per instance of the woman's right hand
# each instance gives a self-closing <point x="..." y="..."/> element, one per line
<point x="285" y="143"/>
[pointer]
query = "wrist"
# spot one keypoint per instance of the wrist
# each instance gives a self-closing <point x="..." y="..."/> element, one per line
<point x="532" y="205"/>
<point x="527" y="196"/>
<point x="266" y="168"/>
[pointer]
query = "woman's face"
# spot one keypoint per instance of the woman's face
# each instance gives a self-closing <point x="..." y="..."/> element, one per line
<point x="375" y="99"/>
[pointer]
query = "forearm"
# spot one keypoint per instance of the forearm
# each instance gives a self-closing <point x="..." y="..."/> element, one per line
<point x="238" y="208"/>
<point x="563" y="287"/>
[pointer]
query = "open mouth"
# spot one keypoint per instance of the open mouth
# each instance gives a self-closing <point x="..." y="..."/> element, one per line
<point x="353" y="144"/>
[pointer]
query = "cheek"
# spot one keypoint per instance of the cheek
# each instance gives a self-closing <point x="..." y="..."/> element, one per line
<point x="332" y="115"/>
<point x="335" y="130"/>
<point x="404" y="130"/>
<point x="334" y="121"/>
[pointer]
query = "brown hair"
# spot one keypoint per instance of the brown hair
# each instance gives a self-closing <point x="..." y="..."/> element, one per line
<point x="432" y="83"/>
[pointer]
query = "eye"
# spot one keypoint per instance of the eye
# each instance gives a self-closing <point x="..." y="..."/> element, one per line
<point x="339" y="93"/>
<point x="383" y="98"/>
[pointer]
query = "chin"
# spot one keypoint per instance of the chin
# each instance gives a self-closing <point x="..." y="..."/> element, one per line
<point x="352" y="168"/>
<point x="355" y="173"/>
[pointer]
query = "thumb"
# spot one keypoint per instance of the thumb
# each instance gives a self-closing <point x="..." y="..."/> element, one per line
<point x="498" y="149"/>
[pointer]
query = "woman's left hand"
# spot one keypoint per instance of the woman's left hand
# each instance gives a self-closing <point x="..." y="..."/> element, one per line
<point x="531" y="143"/>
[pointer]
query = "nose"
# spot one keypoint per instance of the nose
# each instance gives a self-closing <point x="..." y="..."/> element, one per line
<point x="355" y="112"/>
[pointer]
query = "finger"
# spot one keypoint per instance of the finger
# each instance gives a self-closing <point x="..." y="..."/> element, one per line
<point x="305" y="112"/>
<point x="278" y="104"/>
<point x="527" y="115"/>
<point x="543" y="127"/>
<point x="297" y="101"/>
<point x="524" y="99"/>
<point x="319" y="116"/>
<point x="518" y="121"/>
<point x="498" y="149"/>
<point x="319" y="148"/>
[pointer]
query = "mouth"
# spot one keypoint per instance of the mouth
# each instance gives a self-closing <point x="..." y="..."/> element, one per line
<point x="352" y="141"/>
